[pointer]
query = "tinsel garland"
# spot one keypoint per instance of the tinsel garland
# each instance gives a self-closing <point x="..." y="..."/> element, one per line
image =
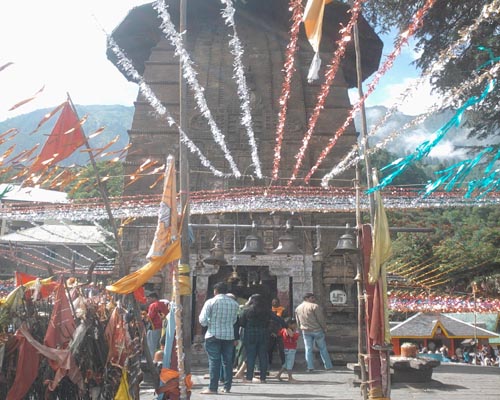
<point x="454" y="176"/>
<point x="342" y="42"/>
<point x="401" y="301"/>
<point x="189" y="74"/>
<point x="401" y="164"/>
<point x="239" y="75"/>
<point x="156" y="104"/>
<point x="297" y="12"/>
<point x="451" y="52"/>
<point x="252" y="199"/>
<point x="388" y="63"/>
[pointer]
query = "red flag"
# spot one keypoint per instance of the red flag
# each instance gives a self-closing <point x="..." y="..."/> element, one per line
<point x="62" y="324"/>
<point x="64" y="139"/>
<point x="47" y="287"/>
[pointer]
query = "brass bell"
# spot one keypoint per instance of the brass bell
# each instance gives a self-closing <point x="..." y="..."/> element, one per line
<point x="254" y="246"/>
<point x="216" y="256"/>
<point x="346" y="243"/>
<point x="286" y="243"/>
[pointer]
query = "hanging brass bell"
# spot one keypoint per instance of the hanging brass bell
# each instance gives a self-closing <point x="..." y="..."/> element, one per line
<point x="254" y="246"/>
<point x="216" y="256"/>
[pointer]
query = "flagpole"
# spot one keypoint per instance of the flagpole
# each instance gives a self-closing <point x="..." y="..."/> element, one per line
<point x="112" y="221"/>
<point x="122" y="267"/>
<point x="183" y="323"/>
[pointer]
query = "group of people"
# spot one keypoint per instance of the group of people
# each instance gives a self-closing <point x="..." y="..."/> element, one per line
<point x="260" y="328"/>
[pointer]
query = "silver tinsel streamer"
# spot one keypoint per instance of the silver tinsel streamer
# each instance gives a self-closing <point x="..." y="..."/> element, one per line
<point x="258" y="202"/>
<point x="189" y="74"/>
<point x="452" y="51"/>
<point x="160" y="109"/>
<point x="239" y="75"/>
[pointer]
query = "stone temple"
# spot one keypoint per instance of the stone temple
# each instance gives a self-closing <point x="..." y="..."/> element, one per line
<point x="263" y="27"/>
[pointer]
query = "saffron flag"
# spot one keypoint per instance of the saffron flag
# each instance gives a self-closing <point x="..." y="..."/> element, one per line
<point x="313" y="24"/>
<point x="166" y="246"/>
<point x="66" y="136"/>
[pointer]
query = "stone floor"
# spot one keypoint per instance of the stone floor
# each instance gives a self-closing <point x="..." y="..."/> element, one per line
<point x="449" y="381"/>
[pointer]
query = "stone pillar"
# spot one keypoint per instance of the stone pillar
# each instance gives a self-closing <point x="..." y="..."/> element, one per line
<point x="283" y="289"/>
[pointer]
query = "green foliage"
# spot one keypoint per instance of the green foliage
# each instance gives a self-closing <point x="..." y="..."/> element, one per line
<point x="85" y="185"/>
<point x="463" y="248"/>
<point x="416" y="174"/>
<point x="441" y="27"/>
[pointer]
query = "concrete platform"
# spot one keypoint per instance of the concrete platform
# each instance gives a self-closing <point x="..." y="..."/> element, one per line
<point x="449" y="381"/>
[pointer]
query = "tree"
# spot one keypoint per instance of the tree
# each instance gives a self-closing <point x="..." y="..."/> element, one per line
<point x="85" y="185"/>
<point x="443" y="25"/>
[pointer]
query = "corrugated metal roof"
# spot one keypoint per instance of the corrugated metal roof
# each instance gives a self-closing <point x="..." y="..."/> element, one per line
<point x="18" y="193"/>
<point x="57" y="233"/>
<point x="423" y="325"/>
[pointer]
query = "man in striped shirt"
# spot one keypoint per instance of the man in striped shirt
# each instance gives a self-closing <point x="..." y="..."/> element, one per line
<point x="219" y="315"/>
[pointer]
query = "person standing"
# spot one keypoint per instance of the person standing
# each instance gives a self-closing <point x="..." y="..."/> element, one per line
<point x="290" y="337"/>
<point x="311" y="321"/>
<point x="275" y="340"/>
<point x="255" y="322"/>
<point x="156" y="312"/>
<point x="218" y="315"/>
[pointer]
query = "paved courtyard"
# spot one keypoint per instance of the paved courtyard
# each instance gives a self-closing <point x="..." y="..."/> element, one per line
<point x="449" y="381"/>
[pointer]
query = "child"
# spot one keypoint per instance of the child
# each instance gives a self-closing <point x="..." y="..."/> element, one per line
<point x="290" y="337"/>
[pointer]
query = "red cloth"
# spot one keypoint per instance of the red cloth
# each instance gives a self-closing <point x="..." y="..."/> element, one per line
<point x="289" y="342"/>
<point x="21" y="278"/>
<point x="63" y="359"/>
<point x="118" y="338"/>
<point x="66" y="136"/>
<point x="28" y="360"/>
<point x="140" y="296"/>
<point x="62" y="324"/>
<point x="374" y="366"/>
<point x="154" y="310"/>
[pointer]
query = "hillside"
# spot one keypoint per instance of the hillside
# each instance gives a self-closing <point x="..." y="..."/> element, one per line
<point x="116" y="120"/>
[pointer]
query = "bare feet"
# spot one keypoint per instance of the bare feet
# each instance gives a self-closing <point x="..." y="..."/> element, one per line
<point x="207" y="391"/>
<point x="291" y="380"/>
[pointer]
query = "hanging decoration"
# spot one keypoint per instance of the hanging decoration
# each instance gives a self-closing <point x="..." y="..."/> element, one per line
<point x="446" y="55"/>
<point x="400" y="165"/>
<point x="251" y="199"/>
<point x="154" y="102"/>
<point x="454" y="176"/>
<point x="402" y="40"/>
<point x="404" y="301"/>
<point x="189" y="74"/>
<point x="345" y="39"/>
<point x="239" y="76"/>
<point x="297" y="12"/>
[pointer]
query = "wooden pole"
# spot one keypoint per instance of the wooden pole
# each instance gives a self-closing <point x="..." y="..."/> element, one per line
<point x="121" y="259"/>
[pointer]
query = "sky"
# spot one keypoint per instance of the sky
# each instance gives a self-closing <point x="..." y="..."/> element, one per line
<point x="61" y="45"/>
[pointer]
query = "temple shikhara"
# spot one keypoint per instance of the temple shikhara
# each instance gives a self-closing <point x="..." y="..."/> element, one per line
<point x="263" y="28"/>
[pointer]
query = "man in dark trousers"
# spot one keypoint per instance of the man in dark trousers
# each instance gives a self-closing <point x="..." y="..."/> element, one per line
<point x="219" y="315"/>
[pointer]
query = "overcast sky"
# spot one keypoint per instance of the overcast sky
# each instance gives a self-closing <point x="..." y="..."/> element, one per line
<point x="60" y="45"/>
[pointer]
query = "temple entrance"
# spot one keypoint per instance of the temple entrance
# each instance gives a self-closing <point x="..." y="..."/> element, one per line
<point x="243" y="281"/>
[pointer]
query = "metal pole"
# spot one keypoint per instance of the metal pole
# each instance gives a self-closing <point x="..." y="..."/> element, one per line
<point x="360" y="295"/>
<point x="184" y="302"/>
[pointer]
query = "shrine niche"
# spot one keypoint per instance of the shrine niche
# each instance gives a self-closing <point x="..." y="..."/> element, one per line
<point x="263" y="27"/>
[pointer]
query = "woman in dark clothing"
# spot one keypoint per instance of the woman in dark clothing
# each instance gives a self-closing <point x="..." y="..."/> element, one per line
<point x="255" y="320"/>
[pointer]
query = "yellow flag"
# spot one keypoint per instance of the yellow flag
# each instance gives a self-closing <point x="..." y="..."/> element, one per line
<point x="381" y="242"/>
<point x="313" y="21"/>
<point x="166" y="246"/>
<point x="381" y="251"/>
<point x="122" y="393"/>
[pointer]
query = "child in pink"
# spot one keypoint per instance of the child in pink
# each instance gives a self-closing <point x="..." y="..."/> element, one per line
<point x="290" y="336"/>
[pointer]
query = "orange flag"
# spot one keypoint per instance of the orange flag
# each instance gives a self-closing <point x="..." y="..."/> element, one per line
<point x="166" y="246"/>
<point x="66" y="136"/>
